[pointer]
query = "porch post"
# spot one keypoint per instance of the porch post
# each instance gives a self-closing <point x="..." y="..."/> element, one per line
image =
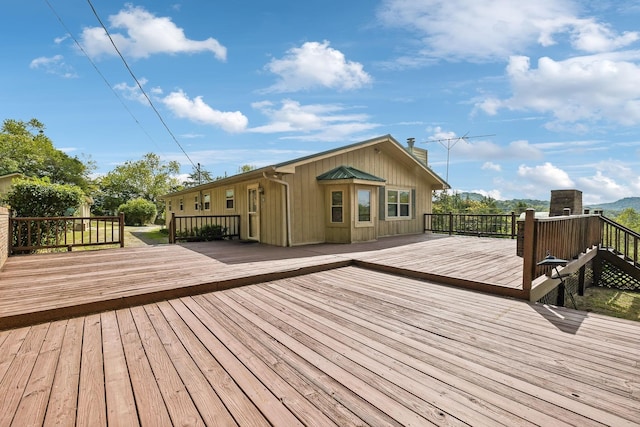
<point x="121" y="225"/>
<point x="528" y="263"/>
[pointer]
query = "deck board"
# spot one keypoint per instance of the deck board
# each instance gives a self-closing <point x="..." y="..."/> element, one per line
<point x="314" y="338"/>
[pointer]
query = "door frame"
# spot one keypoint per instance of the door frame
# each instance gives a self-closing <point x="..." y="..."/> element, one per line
<point x="253" y="191"/>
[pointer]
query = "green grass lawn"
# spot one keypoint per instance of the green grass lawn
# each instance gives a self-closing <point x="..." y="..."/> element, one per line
<point x="611" y="302"/>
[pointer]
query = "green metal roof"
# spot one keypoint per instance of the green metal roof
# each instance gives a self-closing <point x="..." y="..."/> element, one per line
<point x="347" y="172"/>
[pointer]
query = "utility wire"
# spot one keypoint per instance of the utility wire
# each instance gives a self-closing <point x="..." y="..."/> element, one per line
<point x="99" y="72"/>
<point x="139" y="85"/>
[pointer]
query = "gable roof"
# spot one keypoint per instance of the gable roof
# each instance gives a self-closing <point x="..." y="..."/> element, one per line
<point x="348" y="172"/>
<point x="289" y="166"/>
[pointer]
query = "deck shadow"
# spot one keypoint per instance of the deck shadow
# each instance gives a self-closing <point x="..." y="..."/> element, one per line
<point x="242" y="252"/>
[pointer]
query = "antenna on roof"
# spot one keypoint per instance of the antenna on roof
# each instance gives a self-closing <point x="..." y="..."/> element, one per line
<point x="449" y="143"/>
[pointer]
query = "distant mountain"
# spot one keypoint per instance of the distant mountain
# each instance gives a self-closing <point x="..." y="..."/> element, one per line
<point x="609" y="209"/>
<point x="620" y="205"/>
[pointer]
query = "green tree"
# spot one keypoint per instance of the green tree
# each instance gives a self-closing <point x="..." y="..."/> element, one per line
<point x="197" y="176"/>
<point x="148" y="178"/>
<point x="25" y="148"/>
<point x="138" y="212"/>
<point x="629" y="218"/>
<point x="40" y="198"/>
<point x="246" y="168"/>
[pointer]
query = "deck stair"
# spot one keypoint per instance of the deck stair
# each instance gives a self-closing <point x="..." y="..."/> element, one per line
<point x="618" y="257"/>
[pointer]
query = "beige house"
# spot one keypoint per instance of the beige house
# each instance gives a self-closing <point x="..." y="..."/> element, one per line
<point x="6" y="182"/>
<point x="355" y="193"/>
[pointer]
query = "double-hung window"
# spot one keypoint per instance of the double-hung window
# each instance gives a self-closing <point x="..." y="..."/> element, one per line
<point x="206" y="201"/>
<point x="399" y="203"/>
<point x="337" y="207"/>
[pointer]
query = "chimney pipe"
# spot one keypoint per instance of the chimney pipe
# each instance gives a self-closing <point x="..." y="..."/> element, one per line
<point x="410" y="142"/>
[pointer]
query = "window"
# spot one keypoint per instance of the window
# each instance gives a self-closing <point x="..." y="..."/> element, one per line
<point x="206" y="201"/>
<point x="181" y="205"/>
<point x="364" y="206"/>
<point x="230" y="199"/>
<point x="196" y="205"/>
<point x="398" y="203"/>
<point x="336" y="206"/>
<point x="169" y="208"/>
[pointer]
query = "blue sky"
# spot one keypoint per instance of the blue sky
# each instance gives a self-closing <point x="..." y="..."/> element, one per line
<point x="555" y="82"/>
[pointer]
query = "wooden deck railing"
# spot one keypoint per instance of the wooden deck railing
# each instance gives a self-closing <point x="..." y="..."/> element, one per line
<point x="31" y="234"/>
<point x="489" y="225"/>
<point x="620" y="240"/>
<point x="564" y="237"/>
<point x="203" y="227"/>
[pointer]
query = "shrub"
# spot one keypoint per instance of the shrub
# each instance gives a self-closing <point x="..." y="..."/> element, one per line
<point x="211" y="232"/>
<point x="138" y="212"/>
<point x="41" y="198"/>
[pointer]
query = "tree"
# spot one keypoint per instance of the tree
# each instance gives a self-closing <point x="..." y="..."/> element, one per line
<point x="148" y="179"/>
<point x="629" y="218"/>
<point x="246" y="168"/>
<point x="40" y="198"/>
<point x="198" y="176"/>
<point x="138" y="212"/>
<point x="25" y="148"/>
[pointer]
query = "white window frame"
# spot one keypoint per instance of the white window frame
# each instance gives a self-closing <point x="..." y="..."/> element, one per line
<point x="196" y="204"/>
<point x="369" y="221"/>
<point x="181" y="204"/>
<point x="206" y="201"/>
<point x="398" y="204"/>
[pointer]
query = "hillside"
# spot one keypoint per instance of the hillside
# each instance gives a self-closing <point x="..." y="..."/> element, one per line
<point x="612" y="208"/>
<point x="620" y="205"/>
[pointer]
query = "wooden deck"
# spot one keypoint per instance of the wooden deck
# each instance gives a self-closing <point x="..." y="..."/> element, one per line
<point x="55" y="286"/>
<point x="319" y="335"/>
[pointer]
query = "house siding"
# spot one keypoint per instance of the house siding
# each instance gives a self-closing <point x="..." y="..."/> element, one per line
<point x="310" y="198"/>
<point x="310" y="206"/>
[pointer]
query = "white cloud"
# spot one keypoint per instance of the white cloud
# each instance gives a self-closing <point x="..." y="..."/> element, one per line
<point x="317" y="122"/>
<point x="53" y="65"/>
<point x="590" y="36"/>
<point x="132" y="92"/>
<point x="491" y="166"/>
<point x="196" y="110"/>
<point x="316" y="65"/>
<point x="483" y="30"/>
<point x="146" y="34"/>
<point x="545" y="176"/>
<point x="582" y="89"/>
<point x="494" y="194"/>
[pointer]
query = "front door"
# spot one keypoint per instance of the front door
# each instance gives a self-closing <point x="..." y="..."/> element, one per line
<point x="253" y="212"/>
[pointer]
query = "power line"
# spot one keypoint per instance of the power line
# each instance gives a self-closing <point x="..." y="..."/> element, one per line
<point x="124" y="61"/>
<point x="104" y="79"/>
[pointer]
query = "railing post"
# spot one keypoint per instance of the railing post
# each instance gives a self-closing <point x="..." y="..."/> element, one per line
<point x="121" y="228"/>
<point x="528" y="263"/>
<point x="450" y="223"/>
<point x="172" y="228"/>
<point x="514" y="234"/>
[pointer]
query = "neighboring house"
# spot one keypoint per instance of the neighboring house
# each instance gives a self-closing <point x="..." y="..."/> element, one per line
<point x="355" y="193"/>
<point x="6" y="181"/>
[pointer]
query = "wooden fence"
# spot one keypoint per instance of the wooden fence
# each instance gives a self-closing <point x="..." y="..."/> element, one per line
<point x="487" y="225"/>
<point x="203" y="227"/>
<point x="30" y="234"/>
